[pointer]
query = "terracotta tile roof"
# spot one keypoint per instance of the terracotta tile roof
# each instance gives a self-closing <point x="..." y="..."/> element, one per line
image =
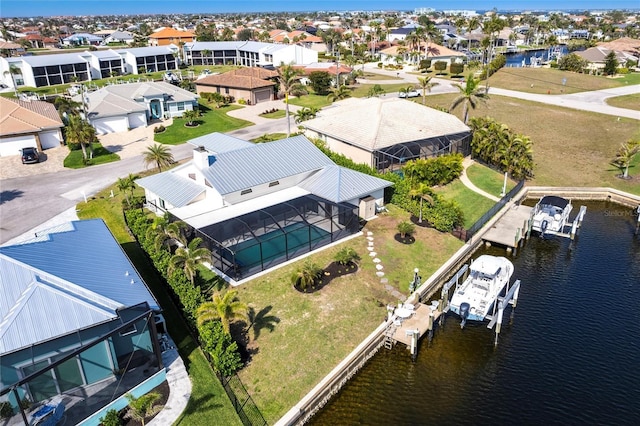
<point x="262" y="73"/>
<point x="233" y="80"/>
<point x="18" y="117"/>
<point x="171" y="33"/>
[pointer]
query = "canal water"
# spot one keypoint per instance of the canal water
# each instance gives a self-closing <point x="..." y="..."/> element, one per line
<point x="516" y="59"/>
<point x="569" y="354"/>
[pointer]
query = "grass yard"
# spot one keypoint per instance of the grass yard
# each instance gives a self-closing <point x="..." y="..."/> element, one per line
<point x="101" y="155"/>
<point x="374" y="76"/>
<point x="310" y="101"/>
<point x="313" y="332"/>
<point x="473" y="205"/>
<point x="362" y="90"/>
<point x="208" y="403"/>
<point x="543" y="80"/>
<point x="487" y="179"/>
<point x="626" y="101"/>
<point x="276" y="114"/>
<point x="570" y="147"/>
<point x="212" y="120"/>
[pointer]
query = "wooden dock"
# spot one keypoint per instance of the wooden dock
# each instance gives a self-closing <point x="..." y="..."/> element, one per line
<point x="418" y="321"/>
<point x="510" y="228"/>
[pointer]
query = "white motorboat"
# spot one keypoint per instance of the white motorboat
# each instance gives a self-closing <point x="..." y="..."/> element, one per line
<point x="476" y="297"/>
<point x="551" y="215"/>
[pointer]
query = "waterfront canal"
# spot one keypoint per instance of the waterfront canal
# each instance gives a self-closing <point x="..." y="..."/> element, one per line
<point x="569" y="355"/>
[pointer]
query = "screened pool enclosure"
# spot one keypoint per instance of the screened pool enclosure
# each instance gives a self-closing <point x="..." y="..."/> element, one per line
<point x="250" y="243"/>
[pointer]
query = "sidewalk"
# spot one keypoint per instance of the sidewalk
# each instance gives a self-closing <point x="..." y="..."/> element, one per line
<point x="466" y="162"/>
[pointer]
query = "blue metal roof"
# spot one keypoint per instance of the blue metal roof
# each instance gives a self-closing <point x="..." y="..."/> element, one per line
<point x="339" y="184"/>
<point x="216" y="143"/>
<point x="74" y="279"/>
<point x="175" y="189"/>
<point x="234" y="171"/>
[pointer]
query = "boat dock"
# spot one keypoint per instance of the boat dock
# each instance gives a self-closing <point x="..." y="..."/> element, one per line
<point x="417" y="322"/>
<point x="511" y="228"/>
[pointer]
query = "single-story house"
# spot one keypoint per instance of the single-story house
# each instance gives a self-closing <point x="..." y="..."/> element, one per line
<point x="26" y="124"/>
<point x="259" y="205"/>
<point x="120" y="107"/>
<point x="253" y="84"/>
<point x="69" y="329"/>
<point x="384" y="133"/>
<point x="246" y="53"/>
<point x="119" y="37"/>
<point x="432" y="51"/>
<point x="82" y="39"/>
<point x="596" y="57"/>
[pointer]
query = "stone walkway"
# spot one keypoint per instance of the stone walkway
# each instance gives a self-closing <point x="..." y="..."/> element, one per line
<point x="380" y="268"/>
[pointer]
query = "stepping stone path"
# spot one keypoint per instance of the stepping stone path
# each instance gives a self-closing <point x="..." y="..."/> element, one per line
<point x="384" y="281"/>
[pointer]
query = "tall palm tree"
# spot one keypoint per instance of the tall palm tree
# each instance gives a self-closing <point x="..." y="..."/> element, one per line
<point x="470" y="95"/>
<point x="224" y="307"/>
<point x="78" y="131"/>
<point x="174" y="231"/>
<point x="13" y="71"/>
<point x="126" y="186"/>
<point x="339" y="93"/>
<point x="289" y="82"/>
<point x="426" y="85"/>
<point x="158" y="154"/>
<point x="66" y="107"/>
<point x="421" y="191"/>
<point x="188" y="258"/>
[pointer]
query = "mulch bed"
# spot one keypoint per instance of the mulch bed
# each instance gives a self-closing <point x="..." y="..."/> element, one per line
<point x="332" y="271"/>
<point x="407" y="239"/>
<point x="416" y="221"/>
<point x="163" y="390"/>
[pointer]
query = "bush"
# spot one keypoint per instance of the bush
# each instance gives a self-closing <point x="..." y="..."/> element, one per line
<point x="223" y="351"/>
<point x="623" y="71"/>
<point x="440" y="66"/>
<point x="456" y="68"/>
<point x="159" y="129"/>
<point x="6" y="410"/>
<point x="111" y="418"/>
<point x="406" y="228"/>
<point x="242" y="101"/>
<point x="425" y="64"/>
<point x="346" y="255"/>
<point x="379" y="64"/>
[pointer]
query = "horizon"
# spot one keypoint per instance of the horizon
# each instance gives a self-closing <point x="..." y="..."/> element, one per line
<point x="26" y="8"/>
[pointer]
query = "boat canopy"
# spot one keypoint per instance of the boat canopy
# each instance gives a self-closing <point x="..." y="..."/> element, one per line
<point x="552" y="200"/>
<point x="487" y="265"/>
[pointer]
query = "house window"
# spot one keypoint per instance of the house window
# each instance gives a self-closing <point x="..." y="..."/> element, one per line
<point x="161" y="203"/>
<point x="226" y="90"/>
<point x="180" y="106"/>
<point x="246" y="191"/>
<point x="274" y="183"/>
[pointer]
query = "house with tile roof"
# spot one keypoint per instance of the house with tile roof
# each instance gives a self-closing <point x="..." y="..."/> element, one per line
<point x="386" y="133"/>
<point x="259" y="205"/>
<point x="169" y="36"/>
<point x="253" y="84"/>
<point x="596" y="57"/>
<point x="432" y="51"/>
<point x="72" y="330"/>
<point x="121" y="107"/>
<point x="27" y="123"/>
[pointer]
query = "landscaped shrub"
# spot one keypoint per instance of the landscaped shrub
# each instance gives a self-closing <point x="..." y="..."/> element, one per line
<point x="425" y="64"/>
<point x="346" y="255"/>
<point x="111" y="418"/>
<point x="440" y="66"/>
<point x="456" y="68"/>
<point x="159" y="129"/>
<point x="242" y="101"/>
<point x="6" y="410"/>
<point x="406" y="228"/>
<point x="222" y="349"/>
<point x="434" y="171"/>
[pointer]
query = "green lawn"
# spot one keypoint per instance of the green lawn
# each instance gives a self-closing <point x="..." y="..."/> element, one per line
<point x="75" y="159"/>
<point x="311" y="101"/>
<point x="627" y="101"/>
<point x="276" y="114"/>
<point x="487" y="179"/>
<point x="473" y="205"/>
<point x="212" y="120"/>
<point x="362" y="90"/>
<point x="209" y="403"/>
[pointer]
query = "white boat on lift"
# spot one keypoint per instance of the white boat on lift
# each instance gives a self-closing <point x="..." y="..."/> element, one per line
<point x="476" y="297"/>
<point x="551" y="215"/>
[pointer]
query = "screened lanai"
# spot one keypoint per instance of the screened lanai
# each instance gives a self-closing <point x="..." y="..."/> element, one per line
<point x="250" y="243"/>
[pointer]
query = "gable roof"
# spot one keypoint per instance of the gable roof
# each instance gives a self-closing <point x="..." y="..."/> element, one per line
<point x="21" y="117"/>
<point x="339" y="184"/>
<point x="217" y="143"/>
<point x="373" y="124"/>
<point x="231" y="79"/>
<point x="171" y="33"/>
<point x="175" y="189"/>
<point x="57" y="283"/>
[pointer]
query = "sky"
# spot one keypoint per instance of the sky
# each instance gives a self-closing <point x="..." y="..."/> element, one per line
<point x="28" y="8"/>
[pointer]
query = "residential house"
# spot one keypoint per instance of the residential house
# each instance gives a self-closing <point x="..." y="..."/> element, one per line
<point x="26" y="124"/>
<point x="432" y="51"/>
<point x="74" y="328"/>
<point x="169" y="36"/>
<point x="246" y="53"/>
<point x="119" y="37"/>
<point x="121" y="107"/>
<point x="596" y="57"/>
<point x="259" y="205"/>
<point x="82" y="39"/>
<point x="252" y="84"/>
<point x="299" y="37"/>
<point x="386" y="133"/>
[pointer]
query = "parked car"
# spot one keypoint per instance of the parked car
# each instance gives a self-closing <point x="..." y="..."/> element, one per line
<point x="409" y="94"/>
<point x="30" y="155"/>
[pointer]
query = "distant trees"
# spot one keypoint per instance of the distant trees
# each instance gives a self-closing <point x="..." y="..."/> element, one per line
<point x="610" y="63"/>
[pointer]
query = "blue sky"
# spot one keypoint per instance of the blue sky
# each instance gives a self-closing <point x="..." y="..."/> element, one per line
<point x="122" y="7"/>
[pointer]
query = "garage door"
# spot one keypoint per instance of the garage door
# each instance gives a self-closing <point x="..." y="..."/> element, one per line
<point x="263" y="95"/>
<point x="50" y="139"/>
<point x="111" y="125"/>
<point x="12" y="146"/>
<point x="138" y="119"/>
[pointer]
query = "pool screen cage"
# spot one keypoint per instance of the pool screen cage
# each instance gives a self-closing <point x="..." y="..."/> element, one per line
<point x="253" y="242"/>
<point x="393" y="158"/>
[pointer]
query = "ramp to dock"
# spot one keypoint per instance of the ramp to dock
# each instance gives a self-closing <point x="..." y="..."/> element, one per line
<point x="511" y="227"/>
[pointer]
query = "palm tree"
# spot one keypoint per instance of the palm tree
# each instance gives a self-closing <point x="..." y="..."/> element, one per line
<point x="14" y="70"/>
<point x="142" y="407"/>
<point x="167" y="232"/>
<point x="304" y="114"/>
<point x="421" y="191"/>
<point x="158" y="154"/>
<point x="625" y="155"/>
<point x="66" y="107"/>
<point x="224" y="307"/>
<point x="307" y="275"/>
<point x="189" y="258"/>
<point x="127" y="186"/>
<point x="78" y="131"/>
<point x="426" y="85"/>
<point x="339" y="93"/>
<point x="190" y="116"/>
<point x="289" y="82"/>
<point x="470" y="95"/>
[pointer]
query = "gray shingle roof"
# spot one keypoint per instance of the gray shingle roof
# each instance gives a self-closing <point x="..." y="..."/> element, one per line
<point x="71" y="280"/>
<point x="177" y="190"/>
<point x="339" y="184"/>
<point x="375" y="123"/>
<point x="240" y="169"/>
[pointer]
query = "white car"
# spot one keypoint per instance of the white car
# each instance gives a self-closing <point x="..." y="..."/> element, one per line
<point x="409" y="94"/>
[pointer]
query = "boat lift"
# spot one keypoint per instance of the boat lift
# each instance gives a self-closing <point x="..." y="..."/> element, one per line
<point x="572" y="227"/>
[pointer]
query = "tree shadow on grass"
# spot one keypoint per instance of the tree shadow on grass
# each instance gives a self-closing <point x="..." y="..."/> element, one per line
<point x="262" y="320"/>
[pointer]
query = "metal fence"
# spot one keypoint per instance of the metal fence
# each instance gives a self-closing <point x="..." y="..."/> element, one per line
<point x="492" y="211"/>
<point x="242" y="401"/>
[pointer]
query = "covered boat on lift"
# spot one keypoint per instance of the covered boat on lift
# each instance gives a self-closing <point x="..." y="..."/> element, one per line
<point x="551" y="215"/>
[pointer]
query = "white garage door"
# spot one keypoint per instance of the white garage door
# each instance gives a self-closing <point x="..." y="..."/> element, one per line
<point x="50" y="139"/>
<point x="12" y="146"/>
<point x="137" y="119"/>
<point x="110" y="125"/>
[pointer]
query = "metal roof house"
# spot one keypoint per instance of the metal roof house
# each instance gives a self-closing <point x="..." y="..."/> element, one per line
<point x="74" y="313"/>
<point x="258" y="205"/>
<point x="386" y="133"/>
